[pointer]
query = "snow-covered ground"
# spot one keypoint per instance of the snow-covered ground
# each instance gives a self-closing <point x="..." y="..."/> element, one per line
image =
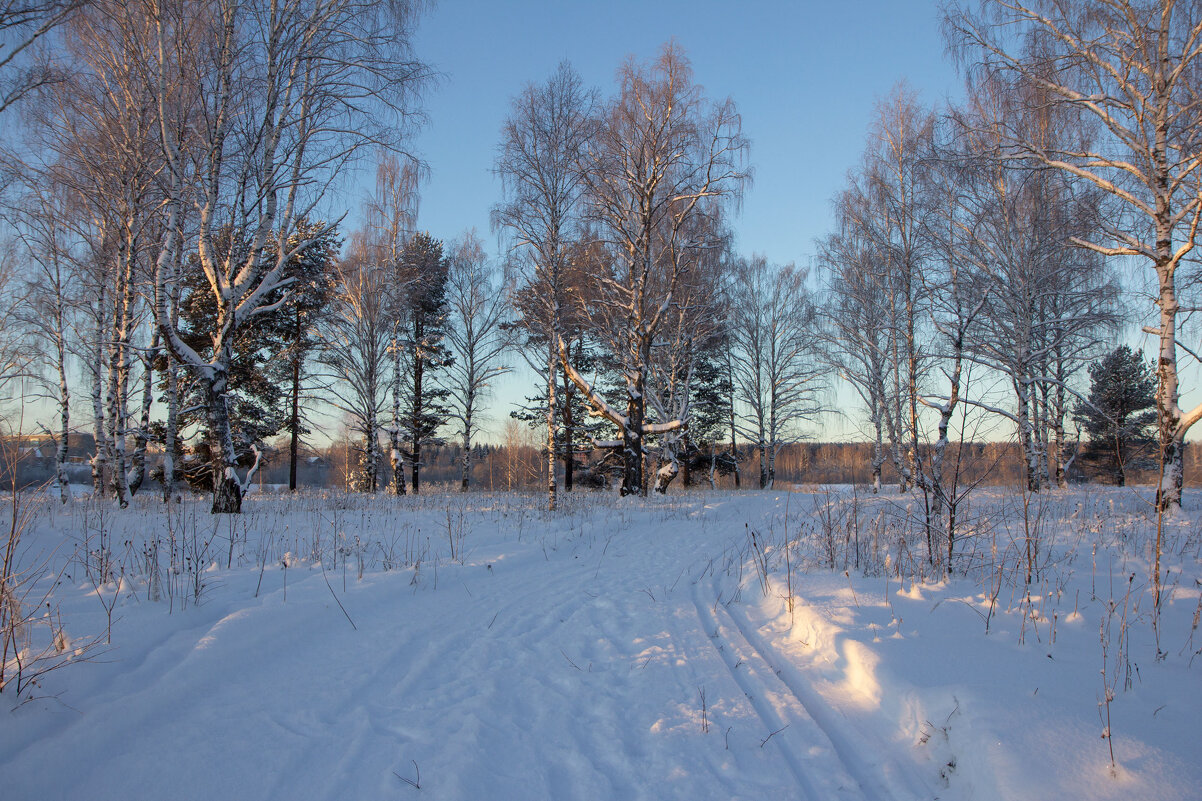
<point x="695" y="646"/>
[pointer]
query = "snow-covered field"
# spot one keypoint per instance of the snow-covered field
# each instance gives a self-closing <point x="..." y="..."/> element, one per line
<point x="694" y="646"/>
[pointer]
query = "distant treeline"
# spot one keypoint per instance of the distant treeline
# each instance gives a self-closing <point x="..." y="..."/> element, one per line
<point x="519" y="466"/>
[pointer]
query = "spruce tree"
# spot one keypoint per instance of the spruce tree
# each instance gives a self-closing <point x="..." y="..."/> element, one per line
<point x="710" y="412"/>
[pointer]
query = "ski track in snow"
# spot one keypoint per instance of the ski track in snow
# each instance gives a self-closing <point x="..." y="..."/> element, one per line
<point x="805" y="724"/>
<point x="781" y="724"/>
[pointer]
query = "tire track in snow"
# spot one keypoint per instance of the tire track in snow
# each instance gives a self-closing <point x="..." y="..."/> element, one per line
<point x="879" y="777"/>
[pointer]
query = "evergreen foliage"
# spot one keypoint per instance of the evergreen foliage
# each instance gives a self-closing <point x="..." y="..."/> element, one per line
<point x="264" y="352"/>
<point x="312" y="273"/>
<point x="576" y="428"/>
<point x="710" y="411"/>
<point x="422" y="269"/>
<point x="1119" y="414"/>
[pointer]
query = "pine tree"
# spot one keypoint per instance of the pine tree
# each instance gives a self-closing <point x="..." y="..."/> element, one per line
<point x="267" y="371"/>
<point x="255" y="399"/>
<point x="312" y="272"/>
<point x="1120" y="413"/>
<point x="422" y="270"/>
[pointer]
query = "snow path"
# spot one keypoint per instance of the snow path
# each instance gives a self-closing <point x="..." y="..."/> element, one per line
<point x="619" y="649"/>
<point x="568" y="663"/>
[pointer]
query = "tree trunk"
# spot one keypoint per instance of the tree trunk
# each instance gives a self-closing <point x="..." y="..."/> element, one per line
<point x="466" y="469"/>
<point x="371" y="453"/>
<point x="686" y="478"/>
<point x="115" y="438"/>
<point x="878" y="455"/>
<point x="415" y="455"/>
<point x="569" y="425"/>
<point x="552" y="372"/>
<point x="396" y="459"/>
<point x="171" y="430"/>
<point x="227" y="490"/>
<point x="772" y="438"/>
<point x="98" y="427"/>
<point x="915" y="460"/>
<point x="120" y="362"/>
<point x="734" y="448"/>
<point x="945" y="502"/>
<point x="165" y="297"/>
<point x="1058" y="413"/>
<point x="415" y="467"/>
<point x="1041" y="435"/>
<point x="1026" y="434"/>
<point x="64" y="416"/>
<point x="294" y="415"/>
<point x="1119" y="462"/>
<point x="1172" y="437"/>
<point x="665" y="474"/>
<point x="395" y="456"/>
<point x="632" y="440"/>
<point x="892" y="427"/>
<point x="138" y="459"/>
<point x="569" y="448"/>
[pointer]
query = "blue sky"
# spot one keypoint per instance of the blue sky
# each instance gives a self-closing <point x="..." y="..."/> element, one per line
<point x="805" y="77"/>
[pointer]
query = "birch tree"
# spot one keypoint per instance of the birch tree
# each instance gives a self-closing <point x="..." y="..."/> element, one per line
<point x="1130" y="68"/>
<point x="94" y="133"/>
<point x="958" y="296"/>
<point x="663" y="154"/>
<point x="1046" y="298"/>
<point x="478" y="306"/>
<point x="23" y="25"/>
<point x="542" y="145"/>
<point x="777" y="370"/>
<point x="389" y="226"/>
<point x="356" y="336"/>
<point x="892" y="208"/>
<point x="51" y="249"/>
<point x="856" y="332"/>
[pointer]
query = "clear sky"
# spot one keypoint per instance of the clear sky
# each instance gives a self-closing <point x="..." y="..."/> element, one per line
<point x="804" y="75"/>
